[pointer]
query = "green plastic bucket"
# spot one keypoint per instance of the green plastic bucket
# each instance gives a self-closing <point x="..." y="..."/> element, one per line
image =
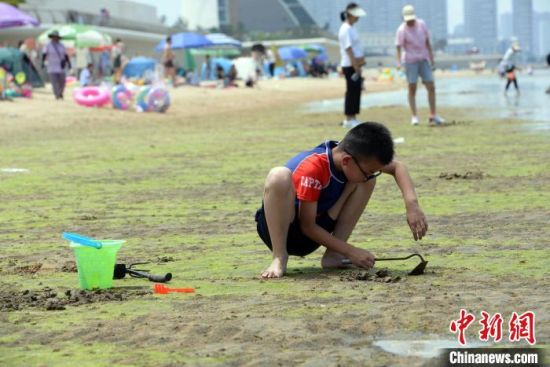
<point x="96" y="266"/>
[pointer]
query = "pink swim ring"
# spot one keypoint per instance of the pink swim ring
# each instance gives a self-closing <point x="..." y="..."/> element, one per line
<point x="91" y="96"/>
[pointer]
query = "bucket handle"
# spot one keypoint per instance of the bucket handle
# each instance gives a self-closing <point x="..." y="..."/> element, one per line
<point x="82" y="240"/>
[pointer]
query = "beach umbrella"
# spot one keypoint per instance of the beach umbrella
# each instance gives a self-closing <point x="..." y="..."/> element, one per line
<point x="222" y="40"/>
<point x="78" y="35"/>
<point x="291" y="53"/>
<point x="216" y="52"/>
<point x="222" y="45"/>
<point x="185" y="40"/>
<point x="10" y="16"/>
<point x="314" y="48"/>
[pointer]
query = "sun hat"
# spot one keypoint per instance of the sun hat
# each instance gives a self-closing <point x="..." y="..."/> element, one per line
<point x="355" y="10"/>
<point x="54" y="34"/>
<point x="408" y="13"/>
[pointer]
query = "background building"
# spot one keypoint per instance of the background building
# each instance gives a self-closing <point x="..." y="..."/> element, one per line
<point x="136" y="24"/>
<point x="204" y="14"/>
<point x="523" y="25"/>
<point x="541" y="34"/>
<point x="480" y="22"/>
<point x="246" y="15"/>
<point x="506" y="26"/>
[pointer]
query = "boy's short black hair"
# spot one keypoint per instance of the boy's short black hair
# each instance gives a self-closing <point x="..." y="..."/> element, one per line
<point x="369" y="139"/>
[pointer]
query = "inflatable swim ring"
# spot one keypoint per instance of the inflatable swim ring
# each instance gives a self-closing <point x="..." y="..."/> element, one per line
<point x="26" y="90"/>
<point x="141" y="100"/>
<point x="91" y="96"/>
<point x="121" y="97"/>
<point x="158" y="99"/>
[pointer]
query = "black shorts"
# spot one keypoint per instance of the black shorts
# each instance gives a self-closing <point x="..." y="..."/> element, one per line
<point x="297" y="243"/>
<point x="169" y="64"/>
<point x="117" y="62"/>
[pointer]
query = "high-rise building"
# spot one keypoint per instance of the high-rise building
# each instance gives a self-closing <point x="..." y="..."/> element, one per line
<point x="434" y="13"/>
<point x="327" y="12"/>
<point x="523" y="24"/>
<point x="541" y="34"/>
<point x="506" y="26"/>
<point x="383" y="17"/>
<point x="480" y="21"/>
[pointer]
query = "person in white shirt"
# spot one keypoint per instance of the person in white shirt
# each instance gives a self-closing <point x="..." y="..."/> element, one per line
<point x="86" y="77"/>
<point x="271" y="60"/>
<point x="352" y="59"/>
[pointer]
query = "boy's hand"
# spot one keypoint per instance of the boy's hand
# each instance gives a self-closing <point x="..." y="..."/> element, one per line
<point x="417" y="222"/>
<point x="361" y="258"/>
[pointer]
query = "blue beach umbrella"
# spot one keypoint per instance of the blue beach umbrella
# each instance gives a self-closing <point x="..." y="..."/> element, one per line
<point x="291" y="53"/>
<point x="185" y="40"/>
<point x="314" y="48"/>
<point x="222" y="40"/>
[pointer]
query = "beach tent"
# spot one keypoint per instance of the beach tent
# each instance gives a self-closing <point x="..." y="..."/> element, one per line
<point x="14" y="61"/>
<point x="215" y="62"/>
<point x="223" y="62"/>
<point x="314" y="48"/>
<point x="138" y="66"/>
<point x="10" y="17"/>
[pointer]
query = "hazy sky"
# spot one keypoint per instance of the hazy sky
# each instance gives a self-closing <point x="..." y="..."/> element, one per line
<point x="455" y="11"/>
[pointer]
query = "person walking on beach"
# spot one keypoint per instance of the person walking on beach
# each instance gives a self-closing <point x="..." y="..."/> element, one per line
<point x="118" y="59"/>
<point x="414" y="51"/>
<point x="508" y="64"/>
<point x="352" y="59"/>
<point x="168" y="61"/>
<point x="58" y="60"/>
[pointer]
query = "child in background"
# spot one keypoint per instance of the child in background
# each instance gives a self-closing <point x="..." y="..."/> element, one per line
<point x="86" y="77"/>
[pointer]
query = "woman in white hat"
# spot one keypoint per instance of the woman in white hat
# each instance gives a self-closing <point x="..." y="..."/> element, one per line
<point x="414" y="50"/>
<point x="352" y="59"/>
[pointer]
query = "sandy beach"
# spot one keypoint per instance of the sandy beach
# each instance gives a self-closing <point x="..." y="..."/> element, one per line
<point x="182" y="188"/>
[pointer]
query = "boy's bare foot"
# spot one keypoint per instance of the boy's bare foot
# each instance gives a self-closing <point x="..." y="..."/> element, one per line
<point x="277" y="268"/>
<point x="333" y="260"/>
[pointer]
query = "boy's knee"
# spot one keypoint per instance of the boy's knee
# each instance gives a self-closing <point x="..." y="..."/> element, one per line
<point x="279" y="178"/>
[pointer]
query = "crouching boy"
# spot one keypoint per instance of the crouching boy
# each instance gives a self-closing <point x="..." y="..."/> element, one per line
<point x="317" y="198"/>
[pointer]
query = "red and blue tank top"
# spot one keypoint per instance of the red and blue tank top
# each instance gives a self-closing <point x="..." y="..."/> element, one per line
<point x="315" y="177"/>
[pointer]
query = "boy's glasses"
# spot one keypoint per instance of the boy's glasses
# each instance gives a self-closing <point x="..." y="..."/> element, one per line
<point x="366" y="176"/>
